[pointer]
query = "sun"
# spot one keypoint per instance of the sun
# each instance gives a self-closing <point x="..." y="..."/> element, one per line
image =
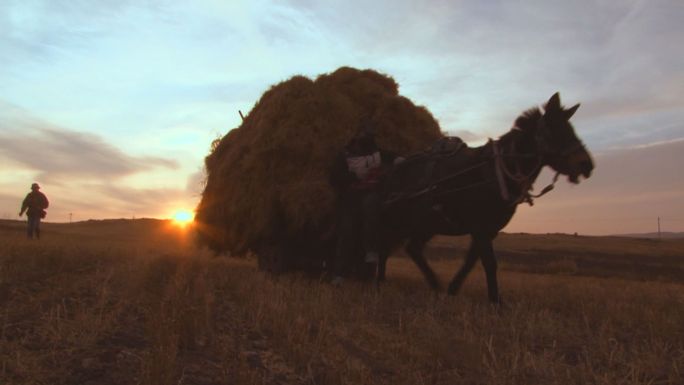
<point x="183" y="217"/>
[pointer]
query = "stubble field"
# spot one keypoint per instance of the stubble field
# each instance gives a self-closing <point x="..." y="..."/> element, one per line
<point x="134" y="302"/>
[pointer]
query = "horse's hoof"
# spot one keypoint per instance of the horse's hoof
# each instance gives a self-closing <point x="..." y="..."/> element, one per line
<point x="337" y="281"/>
<point x="499" y="304"/>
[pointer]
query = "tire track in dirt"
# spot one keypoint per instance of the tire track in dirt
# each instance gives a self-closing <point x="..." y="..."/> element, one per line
<point x="249" y="348"/>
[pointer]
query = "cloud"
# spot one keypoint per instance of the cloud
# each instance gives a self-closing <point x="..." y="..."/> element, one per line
<point x="81" y="173"/>
<point x="467" y="136"/>
<point x="196" y="182"/>
<point x="10" y="205"/>
<point x="628" y="190"/>
<point x="644" y="168"/>
<point x="476" y="65"/>
<point x="479" y="64"/>
<point x="57" y="153"/>
<point x="97" y="200"/>
<point x="123" y="78"/>
<point x="37" y="32"/>
<point x="142" y="201"/>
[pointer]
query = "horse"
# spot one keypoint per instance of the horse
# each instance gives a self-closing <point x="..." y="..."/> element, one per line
<point x="460" y="190"/>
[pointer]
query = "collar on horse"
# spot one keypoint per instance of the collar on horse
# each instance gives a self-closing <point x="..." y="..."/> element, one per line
<point x="524" y="180"/>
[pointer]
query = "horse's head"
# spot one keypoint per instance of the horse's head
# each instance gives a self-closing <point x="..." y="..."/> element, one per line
<point x="560" y="147"/>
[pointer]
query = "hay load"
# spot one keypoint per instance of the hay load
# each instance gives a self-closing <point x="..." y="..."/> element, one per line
<point x="267" y="180"/>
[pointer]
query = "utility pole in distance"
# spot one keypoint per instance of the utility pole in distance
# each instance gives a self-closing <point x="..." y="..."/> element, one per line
<point x="659" y="237"/>
<point x="70" y="215"/>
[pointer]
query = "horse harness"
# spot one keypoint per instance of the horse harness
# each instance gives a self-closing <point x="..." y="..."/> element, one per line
<point x="523" y="180"/>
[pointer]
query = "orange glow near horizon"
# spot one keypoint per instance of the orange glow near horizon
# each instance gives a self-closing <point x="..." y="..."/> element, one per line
<point x="183" y="218"/>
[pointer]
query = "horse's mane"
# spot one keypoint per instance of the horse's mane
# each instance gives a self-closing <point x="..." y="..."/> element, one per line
<point x="527" y="121"/>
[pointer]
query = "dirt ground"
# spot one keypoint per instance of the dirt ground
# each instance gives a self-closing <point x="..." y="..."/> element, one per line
<point x="134" y="302"/>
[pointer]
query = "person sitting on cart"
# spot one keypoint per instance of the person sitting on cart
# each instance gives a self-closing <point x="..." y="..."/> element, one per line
<point x="355" y="176"/>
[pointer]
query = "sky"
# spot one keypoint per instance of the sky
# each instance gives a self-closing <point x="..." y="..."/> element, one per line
<point x="112" y="105"/>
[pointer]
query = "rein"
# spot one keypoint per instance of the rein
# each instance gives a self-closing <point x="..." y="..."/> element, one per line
<point x="523" y="181"/>
<point x="435" y="185"/>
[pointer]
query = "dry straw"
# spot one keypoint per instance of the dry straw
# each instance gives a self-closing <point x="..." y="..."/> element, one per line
<point x="268" y="178"/>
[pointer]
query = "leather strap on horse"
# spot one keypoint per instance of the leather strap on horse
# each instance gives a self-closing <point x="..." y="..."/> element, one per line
<point x="502" y="172"/>
<point x="522" y="180"/>
<point x="499" y="167"/>
<point x="527" y="197"/>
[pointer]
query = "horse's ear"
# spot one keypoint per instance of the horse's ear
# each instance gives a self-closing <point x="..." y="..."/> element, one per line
<point x="571" y="111"/>
<point x="553" y="103"/>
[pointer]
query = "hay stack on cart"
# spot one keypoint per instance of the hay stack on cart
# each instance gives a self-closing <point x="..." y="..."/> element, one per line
<point x="267" y="185"/>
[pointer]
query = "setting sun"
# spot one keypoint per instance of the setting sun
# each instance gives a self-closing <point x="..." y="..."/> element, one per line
<point x="183" y="217"/>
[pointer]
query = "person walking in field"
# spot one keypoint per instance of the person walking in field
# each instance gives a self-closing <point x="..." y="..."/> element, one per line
<point x="34" y="205"/>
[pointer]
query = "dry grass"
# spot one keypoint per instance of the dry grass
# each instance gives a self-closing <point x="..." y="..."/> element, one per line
<point x="133" y="303"/>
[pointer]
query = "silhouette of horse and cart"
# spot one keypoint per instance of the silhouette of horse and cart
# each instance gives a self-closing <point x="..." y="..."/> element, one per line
<point x="456" y="190"/>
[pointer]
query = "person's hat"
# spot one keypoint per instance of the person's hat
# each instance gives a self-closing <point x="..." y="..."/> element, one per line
<point x="35" y="186"/>
<point x="366" y="127"/>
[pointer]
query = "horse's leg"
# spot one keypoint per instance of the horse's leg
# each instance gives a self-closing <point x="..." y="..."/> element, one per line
<point x="415" y="248"/>
<point x="382" y="265"/>
<point x="489" y="264"/>
<point x="471" y="258"/>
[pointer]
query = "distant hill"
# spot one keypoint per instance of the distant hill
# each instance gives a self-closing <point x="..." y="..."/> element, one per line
<point x="139" y="224"/>
<point x="663" y="235"/>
